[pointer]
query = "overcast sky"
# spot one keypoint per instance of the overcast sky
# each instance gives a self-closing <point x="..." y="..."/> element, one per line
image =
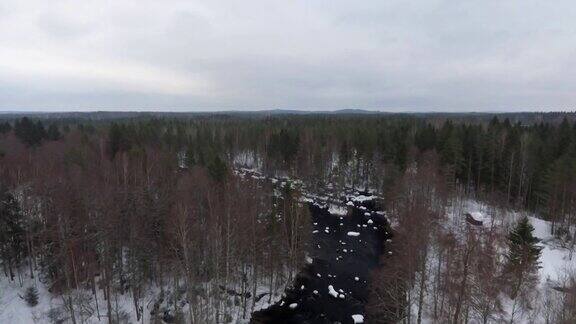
<point x="487" y="55"/>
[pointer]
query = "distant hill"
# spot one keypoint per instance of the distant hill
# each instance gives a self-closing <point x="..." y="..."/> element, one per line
<point x="524" y="118"/>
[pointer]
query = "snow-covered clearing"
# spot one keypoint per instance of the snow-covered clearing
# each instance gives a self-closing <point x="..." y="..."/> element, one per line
<point x="555" y="259"/>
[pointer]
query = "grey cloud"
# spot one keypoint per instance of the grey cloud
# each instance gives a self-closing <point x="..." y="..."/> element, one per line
<point x="388" y="55"/>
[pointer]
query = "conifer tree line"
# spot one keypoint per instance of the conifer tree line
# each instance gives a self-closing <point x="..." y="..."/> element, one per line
<point x="118" y="205"/>
<point x="528" y="162"/>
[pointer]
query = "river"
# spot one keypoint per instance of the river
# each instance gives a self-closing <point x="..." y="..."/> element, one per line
<point x="333" y="286"/>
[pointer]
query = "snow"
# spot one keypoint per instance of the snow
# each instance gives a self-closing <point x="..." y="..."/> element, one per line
<point x="353" y="234"/>
<point x="362" y="198"/>
<point x="358" y="318"/>
<point x="293" y="305"/>
<point x="332" y="291"/>
<point x="14" y="310"/>
<point x="554" y="259"/>
<point x="370" y="221"/>
<point x="337" y="210"/>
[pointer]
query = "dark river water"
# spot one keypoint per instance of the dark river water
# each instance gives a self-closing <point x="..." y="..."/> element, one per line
<point x="334" y="285"/>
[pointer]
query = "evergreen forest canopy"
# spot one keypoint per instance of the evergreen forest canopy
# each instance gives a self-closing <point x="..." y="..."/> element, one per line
<point x="120" y="201"/>
<point x="521" y="157"/>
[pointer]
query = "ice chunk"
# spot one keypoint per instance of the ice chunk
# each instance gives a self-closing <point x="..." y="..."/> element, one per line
<point x="353" y="234"/>
<point x="358" y="318"/>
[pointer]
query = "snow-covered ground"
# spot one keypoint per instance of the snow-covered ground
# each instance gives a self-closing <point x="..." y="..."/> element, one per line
<point x="14" y="309"/>
<point x="555" y="259"/>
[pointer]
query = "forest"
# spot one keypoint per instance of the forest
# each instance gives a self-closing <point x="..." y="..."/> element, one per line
<point x="210" y="218"/>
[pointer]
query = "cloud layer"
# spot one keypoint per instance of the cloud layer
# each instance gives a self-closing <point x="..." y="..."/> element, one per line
<point x="263" y="54"/>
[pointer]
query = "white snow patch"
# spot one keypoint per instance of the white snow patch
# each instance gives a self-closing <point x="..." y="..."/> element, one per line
<point x="362" y="198"/>
<point x="332" y="291"/>
<point x="337" y="210"/>
<point x="358" y="318"/>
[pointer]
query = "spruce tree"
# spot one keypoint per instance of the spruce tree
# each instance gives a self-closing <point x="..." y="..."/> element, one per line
<point x="53" y="133"/>
<point x="218" y="169"/>
<point x="12" y="245"/>
<point x="5" y="128"/>
<point x="523" y="255"/>
<point x="31" y="296"/>
<point x="28" y="132"/>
